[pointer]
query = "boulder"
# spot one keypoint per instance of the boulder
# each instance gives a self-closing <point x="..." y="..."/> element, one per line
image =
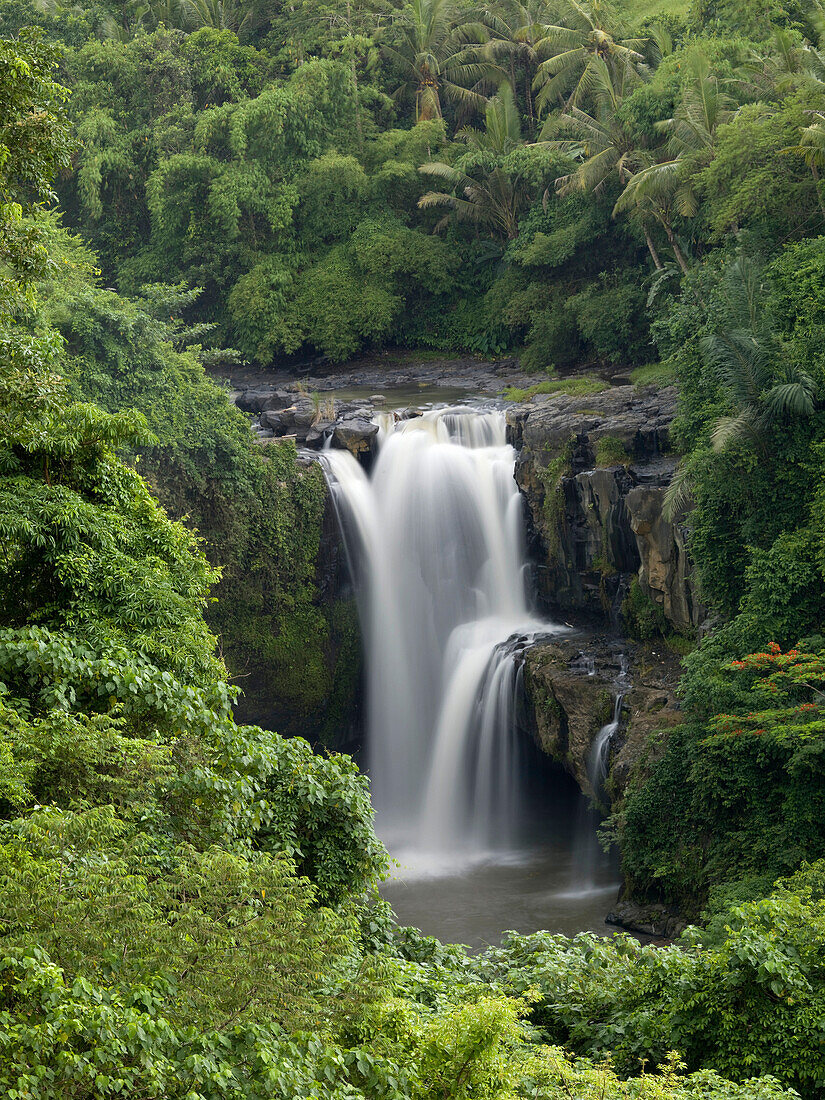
<point x="252" y="400"/>
<point x="318" y="433"/>
<point x="654" y="920"/>
<point x="279" y="399"/>
<point x="306" y="414"/>
<point x="280" y="422"/>
<point x="357" y="435"/>
<point x="570" y="687"/>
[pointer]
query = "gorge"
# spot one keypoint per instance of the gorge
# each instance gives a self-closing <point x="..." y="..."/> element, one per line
<point x="505" y="518"/>
<point x="484" y="662"/>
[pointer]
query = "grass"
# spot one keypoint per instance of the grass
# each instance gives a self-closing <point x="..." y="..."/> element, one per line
<point x="611" y="451"/>
<point x="679" y="644"/>
<point x="579" y="385"/>
<point x="653" y="374"/>
<point x="637" y="10"/>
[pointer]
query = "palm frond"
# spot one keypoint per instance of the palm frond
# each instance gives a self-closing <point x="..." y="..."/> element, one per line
<point x="678" y="494"/>
<point x="733" y="429"/>
<point x="792" y="399"/>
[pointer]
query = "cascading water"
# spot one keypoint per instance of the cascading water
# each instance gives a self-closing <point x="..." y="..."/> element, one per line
<point x="598" y="759"/>
<point x="599" y="756"/>
<point x="435" y="539"/>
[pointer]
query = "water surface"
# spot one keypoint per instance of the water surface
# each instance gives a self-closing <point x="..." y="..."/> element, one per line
<point x="557" y="879"/>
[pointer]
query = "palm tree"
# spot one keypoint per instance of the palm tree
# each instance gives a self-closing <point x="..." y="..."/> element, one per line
<point x="518" y="27"/>
<point x="585" y="37"/>
<point x="437" y="55"/>
<point x="496" y="201"/>
<point x="790" y="63"/>
<point x="661" y="188"/>
<point x="241" y="16"/>
<point x="608" y="146"/>
<point x="749" y="361"/>
<point x="760" y="387"/>
<point x="752" y="367"/>
<point x="502" y="126"/>
<point x="811" y="148"/>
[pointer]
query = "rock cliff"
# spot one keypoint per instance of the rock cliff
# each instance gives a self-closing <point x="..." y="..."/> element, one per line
<point x="594" y="471"/>
<point x="571" y="684"/>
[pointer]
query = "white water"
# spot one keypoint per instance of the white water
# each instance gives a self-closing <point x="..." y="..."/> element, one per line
<point x="598" y="760"/>
<point x="434" y="535"/>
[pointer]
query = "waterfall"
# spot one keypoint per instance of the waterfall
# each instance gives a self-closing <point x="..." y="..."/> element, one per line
<point x="599" y="755"/>
<point x="435" y="539"/>
<point x="598" y="759"/>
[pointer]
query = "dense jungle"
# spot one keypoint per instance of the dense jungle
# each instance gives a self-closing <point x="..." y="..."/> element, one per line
<point x="612" y="218"/>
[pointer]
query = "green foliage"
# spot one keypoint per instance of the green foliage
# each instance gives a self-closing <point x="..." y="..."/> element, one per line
<point x="653" y="374"/>
<point x="608" y="317"/>
<point x="611" y="451"/>
<point x="643" y="618"/>
<point x="259" y="513"/>
<point x="737" y="789"/>
<point x="599" y="996"/>
<point x="185" y="902"/>
<point x="579" y="385"/>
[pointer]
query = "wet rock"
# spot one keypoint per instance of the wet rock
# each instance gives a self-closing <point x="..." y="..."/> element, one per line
<point x="582" y="462"/>
<point x="569" y="705"/>
<point x="656" y="921"/>
<point x="280" y="399"/>
<point x="318" y="433"/>
<point x="665" y="574"/>
<point x="305" y="415"/>
<point x="280" y="422"/>
<point x="253" y="400"/>
<point x="570" y="686"/>
<point x="640" y="419"/>
<point x="357" y="435"/>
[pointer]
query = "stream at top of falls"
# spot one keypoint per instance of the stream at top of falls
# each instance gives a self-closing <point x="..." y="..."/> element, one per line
<point x="435" y="537"/>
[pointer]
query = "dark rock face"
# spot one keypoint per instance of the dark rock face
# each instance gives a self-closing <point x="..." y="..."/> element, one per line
<point x="356" y="434"/>
<point x="570" y="686"/>
<point x="656" y="921"/>
<point x="332" y="719"/>
<point x="594" y="471"/>
<point x="665" y="573"/>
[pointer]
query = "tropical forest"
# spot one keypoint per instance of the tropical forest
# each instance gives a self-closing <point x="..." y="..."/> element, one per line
<point x="412" y="549"/>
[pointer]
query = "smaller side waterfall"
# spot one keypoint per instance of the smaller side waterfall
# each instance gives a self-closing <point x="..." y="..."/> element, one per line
<point x="599" y="757"/>
<point x="598" y="760"/>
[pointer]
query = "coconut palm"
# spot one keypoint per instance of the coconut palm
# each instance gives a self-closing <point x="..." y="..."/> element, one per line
<point x="241" y="16"/>
<point x="584" y="38"/>
<point x="496" y="200"/>
<point x="494" y="203"/>
<point x="437" y="55"/>
<point x="608" y="147"/>
<point x="502" y="126"/>
<point x="660" y="189"/>
<point x="789" y="63"/>
<point x="518" y="29"/>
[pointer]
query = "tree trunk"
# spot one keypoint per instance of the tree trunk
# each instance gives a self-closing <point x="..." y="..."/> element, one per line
<point x="354" y="79"/>
<point x="815" y="174"/>
<point x="358" y="128"/>
<point x="651" y="247"/>
<point x="674" y="244"/>
<point x="528" y="95"/>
